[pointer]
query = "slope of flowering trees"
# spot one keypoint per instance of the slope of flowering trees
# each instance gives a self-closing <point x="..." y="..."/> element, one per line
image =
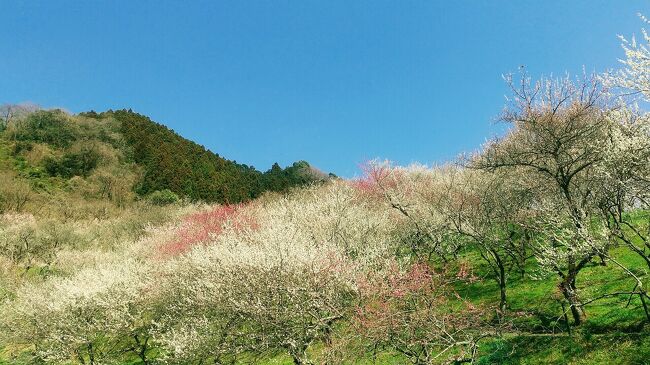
<point x="351" y="267"/>
<point x="429" y="265"/>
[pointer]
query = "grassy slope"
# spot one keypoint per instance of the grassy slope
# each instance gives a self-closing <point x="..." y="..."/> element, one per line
<point x="613" y="334"/>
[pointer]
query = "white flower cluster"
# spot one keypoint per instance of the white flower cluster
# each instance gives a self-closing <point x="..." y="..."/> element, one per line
<point x="275" y="281"/>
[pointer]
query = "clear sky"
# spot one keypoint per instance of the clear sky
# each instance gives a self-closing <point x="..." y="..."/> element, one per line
<point x="331" y="82"/>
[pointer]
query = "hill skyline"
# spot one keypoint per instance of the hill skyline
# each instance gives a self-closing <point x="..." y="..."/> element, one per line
<point x="54" y="150"/>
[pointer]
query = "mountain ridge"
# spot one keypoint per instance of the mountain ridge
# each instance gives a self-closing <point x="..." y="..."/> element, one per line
<point x="52" y="149"/>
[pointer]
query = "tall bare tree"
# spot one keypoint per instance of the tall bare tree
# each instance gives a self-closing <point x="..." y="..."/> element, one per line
<point x="11" y="112"/>
<point x="559" y="135"/>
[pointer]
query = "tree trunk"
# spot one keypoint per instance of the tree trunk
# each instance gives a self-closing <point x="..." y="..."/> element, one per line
<point x="503" y="301"/>
<point x="299" y="356"/>
<point x="301" y="360"/>
<point x="645" y="306"/>
<point x="568" y="288"/>
<point x="501" y="277"/>
<point x="91" y="354"/>
<point x="142" y="349"/>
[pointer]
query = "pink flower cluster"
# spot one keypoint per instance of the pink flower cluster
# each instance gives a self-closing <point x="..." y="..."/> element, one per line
<point x="201" y="227"/>
<point x="385" y="296"/>
<point x="396" y="284"/>
<point x="466" y="272"/>
<point x="376" y="178"/>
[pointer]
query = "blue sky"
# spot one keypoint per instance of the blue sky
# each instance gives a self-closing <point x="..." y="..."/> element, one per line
<point x="331" y="82"/>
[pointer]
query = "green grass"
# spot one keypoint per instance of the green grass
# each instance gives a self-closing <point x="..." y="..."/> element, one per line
<point x="582" y="348"/>
<point x="615" y="331"/>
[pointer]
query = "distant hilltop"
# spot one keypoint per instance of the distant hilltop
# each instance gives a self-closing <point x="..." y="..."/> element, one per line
<point x="52" y="149"/>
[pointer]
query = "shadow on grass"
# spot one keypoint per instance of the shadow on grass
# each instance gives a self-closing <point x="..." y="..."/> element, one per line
<point x="582" y="348"/>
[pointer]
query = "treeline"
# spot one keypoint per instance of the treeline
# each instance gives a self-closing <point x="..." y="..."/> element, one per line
<point x="172" y="162"/>
<point x="54" y="151"/>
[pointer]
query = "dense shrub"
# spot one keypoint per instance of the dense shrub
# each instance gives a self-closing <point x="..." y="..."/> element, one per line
<point x="20" y="147"/>
<point x="14" y="193"/>
<point x="163" y="197"/>
<point x="78" y="163"/>
<point x="48" y="126"/>
<point x="114" y="184"/>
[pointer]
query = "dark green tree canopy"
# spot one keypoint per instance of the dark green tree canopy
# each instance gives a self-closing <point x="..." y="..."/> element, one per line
<point x="189" y="169"/>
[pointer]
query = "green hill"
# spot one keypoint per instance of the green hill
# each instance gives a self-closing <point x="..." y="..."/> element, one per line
<point x="121" y="156"/>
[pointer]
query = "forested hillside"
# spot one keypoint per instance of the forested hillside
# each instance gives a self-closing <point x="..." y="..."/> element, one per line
<point x="172" y="162"/>
<point x="121" y="155"/>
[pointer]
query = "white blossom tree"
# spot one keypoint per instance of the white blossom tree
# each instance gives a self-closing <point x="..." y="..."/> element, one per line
<point x="93" y="317"/>
<point x="560" y="136"/>
<point x="486" y="208"/>
<point x="633" y="79"/>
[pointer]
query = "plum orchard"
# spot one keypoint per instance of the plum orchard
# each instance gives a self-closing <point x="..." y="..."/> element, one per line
<point x="340" y="270"/>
